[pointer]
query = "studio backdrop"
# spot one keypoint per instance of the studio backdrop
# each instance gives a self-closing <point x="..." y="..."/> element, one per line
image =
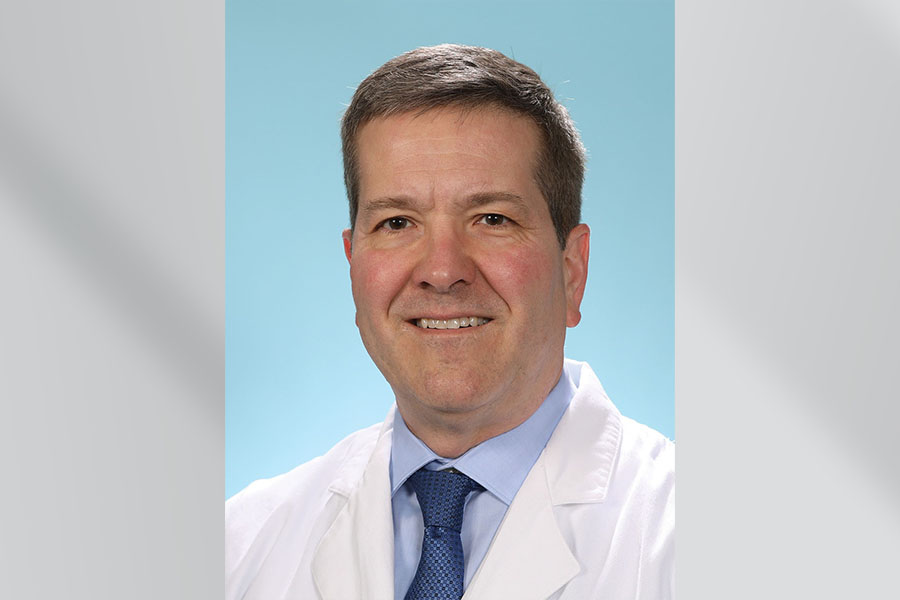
<point x="297" y="376"/>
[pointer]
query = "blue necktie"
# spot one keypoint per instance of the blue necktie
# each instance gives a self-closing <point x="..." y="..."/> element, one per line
<point x="442" y="496"/>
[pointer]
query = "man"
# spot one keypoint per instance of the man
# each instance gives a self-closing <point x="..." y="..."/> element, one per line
<point x="503" y="471"/>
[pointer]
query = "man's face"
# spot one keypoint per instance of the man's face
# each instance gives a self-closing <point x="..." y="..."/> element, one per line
<point x="453" y="228"/>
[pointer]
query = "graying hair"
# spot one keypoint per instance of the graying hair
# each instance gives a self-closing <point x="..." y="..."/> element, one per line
<point x="471" y="77"/>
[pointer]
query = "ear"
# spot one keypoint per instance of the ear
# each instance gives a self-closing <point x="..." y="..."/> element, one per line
<point x="575" y="269"/>
<point x="348" y="243"/>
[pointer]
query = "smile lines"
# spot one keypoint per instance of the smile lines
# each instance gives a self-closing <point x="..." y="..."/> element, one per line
<point x="456" y="323"/>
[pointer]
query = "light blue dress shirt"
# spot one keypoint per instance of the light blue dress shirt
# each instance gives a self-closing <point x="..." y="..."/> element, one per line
<point x="499" y="464"/>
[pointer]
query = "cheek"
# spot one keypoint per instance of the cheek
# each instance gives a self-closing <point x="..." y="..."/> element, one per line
<point x="524" y="276"/>
<point x="376" y="279"/>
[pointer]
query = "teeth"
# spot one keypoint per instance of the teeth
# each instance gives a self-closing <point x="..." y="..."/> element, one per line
<point x="455" y="323"/>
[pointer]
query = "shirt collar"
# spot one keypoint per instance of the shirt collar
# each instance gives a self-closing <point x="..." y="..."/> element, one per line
<point x="501" y="463"/>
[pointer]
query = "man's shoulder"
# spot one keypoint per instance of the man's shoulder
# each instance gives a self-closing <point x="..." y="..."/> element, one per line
<point x="636" y="440"/>
<point x="615" y="478"/>
<point x="267" y="502"/>
<point x="342" y="456"/>
<point x="639" y="457"/>
<point x="644" y="441"/>
<point x="649" y="457"/>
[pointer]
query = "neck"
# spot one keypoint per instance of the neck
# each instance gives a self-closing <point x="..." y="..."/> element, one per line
<point x="451" y="434"/>
<point x="451" y="443"/>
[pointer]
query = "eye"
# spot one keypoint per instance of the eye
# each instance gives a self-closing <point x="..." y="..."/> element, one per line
<point x="395" y="223"/>
<point x="494" y="220"/>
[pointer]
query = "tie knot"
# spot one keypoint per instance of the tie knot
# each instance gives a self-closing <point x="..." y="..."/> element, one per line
<point x="442" y="496"/>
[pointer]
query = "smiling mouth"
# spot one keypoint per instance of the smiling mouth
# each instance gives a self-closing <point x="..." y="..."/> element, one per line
<point x="455" y="323"/>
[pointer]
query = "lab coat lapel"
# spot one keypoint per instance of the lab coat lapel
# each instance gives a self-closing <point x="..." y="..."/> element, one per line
<point x="355" y="558"/>
<point x="529" y="559"/>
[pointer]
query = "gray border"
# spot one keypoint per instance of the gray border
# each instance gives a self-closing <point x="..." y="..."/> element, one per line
<point x="111" y="254"/>
<point x="787" y="293"/>
<point x="112" y="320"/>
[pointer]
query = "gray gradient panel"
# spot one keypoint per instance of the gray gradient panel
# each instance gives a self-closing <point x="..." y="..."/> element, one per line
<point x="787" y="287"/>
<point x="111" y="246"/>
<point x="112" y="320"/>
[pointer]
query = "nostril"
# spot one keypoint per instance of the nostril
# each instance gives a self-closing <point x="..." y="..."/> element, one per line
<point x="444" y="262"/>
<point x="440" y="285"/>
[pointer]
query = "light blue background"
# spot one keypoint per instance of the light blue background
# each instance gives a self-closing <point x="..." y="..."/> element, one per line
<point x="297" y="376"/>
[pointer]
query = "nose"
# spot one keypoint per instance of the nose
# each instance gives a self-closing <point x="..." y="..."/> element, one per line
<point x="446" y="262"/>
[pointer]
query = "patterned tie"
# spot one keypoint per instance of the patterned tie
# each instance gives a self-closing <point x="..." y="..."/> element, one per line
<point x="442" y="496"/>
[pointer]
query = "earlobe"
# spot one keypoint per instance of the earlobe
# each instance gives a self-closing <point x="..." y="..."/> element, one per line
<point x="347" y="235"/>
<point x="575" y="257"/>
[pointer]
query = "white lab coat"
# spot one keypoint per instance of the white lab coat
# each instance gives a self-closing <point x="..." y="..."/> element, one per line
<point x="593" y="519"/>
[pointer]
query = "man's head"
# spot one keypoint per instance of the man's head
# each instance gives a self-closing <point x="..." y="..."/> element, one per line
<point x="462" y="287"/>
<point x="469" y="77"/>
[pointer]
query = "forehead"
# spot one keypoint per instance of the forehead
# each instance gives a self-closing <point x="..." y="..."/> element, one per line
<point x="447" y="149"/>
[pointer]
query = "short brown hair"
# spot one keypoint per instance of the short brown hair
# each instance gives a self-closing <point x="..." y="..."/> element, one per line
<point x="472" y="77"/>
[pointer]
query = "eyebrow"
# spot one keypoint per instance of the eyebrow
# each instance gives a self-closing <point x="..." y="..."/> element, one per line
<point x="387" y="203"/>
<point x="484" y="198"/>
<point x="473" y="201"/>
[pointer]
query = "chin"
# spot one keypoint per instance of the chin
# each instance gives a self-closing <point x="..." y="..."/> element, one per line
<point x="450" y="395"/>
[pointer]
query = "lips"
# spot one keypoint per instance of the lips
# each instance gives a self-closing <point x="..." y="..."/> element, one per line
<point x="453" y="323"/>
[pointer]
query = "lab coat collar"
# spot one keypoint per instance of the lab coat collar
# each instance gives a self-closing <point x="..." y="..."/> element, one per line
<point x="355" y="558"/>
<point x="593" y="425"/>
<point x="529" y="558"/>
